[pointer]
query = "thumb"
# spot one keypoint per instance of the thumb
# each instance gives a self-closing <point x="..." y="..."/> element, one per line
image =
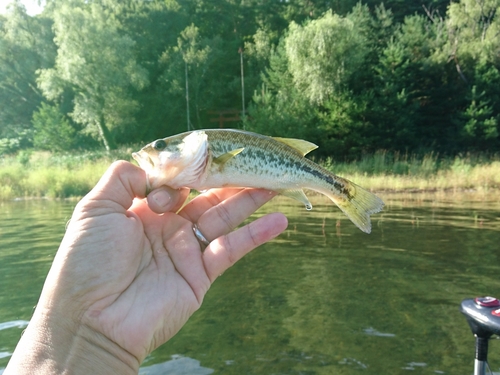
<point x="123" y="182"/>
<point x="120" y="184"/>
<point x="166" y="199"/>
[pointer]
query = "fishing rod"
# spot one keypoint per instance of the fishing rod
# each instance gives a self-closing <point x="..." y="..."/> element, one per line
<point x="483" y="316"/>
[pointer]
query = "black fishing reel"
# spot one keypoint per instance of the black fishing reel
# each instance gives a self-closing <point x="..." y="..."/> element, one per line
<point x="483" y="316"/>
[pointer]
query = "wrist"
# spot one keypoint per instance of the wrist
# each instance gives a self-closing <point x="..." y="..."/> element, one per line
<point x="51" y="345"/>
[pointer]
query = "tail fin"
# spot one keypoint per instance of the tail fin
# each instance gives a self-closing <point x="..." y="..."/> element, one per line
<point x="358" y="206"/>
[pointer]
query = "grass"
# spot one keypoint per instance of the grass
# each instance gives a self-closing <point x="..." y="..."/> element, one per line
<point x="46" y="175"/>
<point x="386" y="171"/>
<point x="42" y="174"/>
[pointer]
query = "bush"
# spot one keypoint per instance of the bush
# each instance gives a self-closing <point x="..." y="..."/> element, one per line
<point x="53" y="131"/>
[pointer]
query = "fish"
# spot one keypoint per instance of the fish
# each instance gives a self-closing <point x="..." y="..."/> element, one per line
<point x="216" y="158"/>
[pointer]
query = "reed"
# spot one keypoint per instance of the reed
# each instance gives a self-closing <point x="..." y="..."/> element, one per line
<point x="385" y="171"/>
<point x="46" y="175"/>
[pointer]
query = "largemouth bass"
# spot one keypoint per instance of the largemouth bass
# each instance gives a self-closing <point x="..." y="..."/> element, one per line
<point x="205" y="159"/>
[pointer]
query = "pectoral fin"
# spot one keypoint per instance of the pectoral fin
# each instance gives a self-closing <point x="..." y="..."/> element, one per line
<point x="224" y="158"/>
<point x="304" y="147"/>
<point x="299" y="195"/>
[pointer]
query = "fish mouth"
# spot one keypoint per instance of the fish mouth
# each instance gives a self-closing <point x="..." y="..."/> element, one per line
<point x="147" y="164"/>
<point x="143" y="159"/>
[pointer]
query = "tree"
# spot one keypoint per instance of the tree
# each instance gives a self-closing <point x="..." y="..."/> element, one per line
<point x="480" y="122"/>
<point x="474" y="49"/>
<point x="53" y="131"/>
<point x="324" y="53"/>
<point x="96" y="60"/>
<point x="155" y="27"/>
<point x="195" y="59"/>
<point x="413" y="86"/>
<point x="25" y="46"/>
<point x="473" y="27"/>
<point x="278" y="107"/>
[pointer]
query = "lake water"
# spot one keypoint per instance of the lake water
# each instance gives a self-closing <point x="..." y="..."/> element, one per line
<point x="323" y="298"/>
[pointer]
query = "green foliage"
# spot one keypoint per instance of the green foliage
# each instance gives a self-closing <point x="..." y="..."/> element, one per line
<point x="23" y="157"/>
<point x="278" y="107"/>
<point x="193" y="58"/>
<point x="96" y="59"/>
<point x="53" y="131"/>
<point x="474" y="27"/>
<point x="25" y="46"/>
<point x="55" y="175"/>
<point x="325" y="53"/>
<point x="22" y="140"/>
<point x="345" y="129"/>
<point x="383" y="162"/>
<point x="8" y="145"/>
<point x="281" y="114"/>
<point x="354" y="78"/>
<point x="405" y="86"/>
<point x="63" y="175"/>
<point x="479" y="122"/>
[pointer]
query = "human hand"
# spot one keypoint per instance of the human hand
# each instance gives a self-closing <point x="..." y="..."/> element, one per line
<point x="126" y="278"/>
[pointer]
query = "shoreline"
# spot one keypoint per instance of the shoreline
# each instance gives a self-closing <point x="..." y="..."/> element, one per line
<point x="388" y="193"/>
<point x="43" y="175"/>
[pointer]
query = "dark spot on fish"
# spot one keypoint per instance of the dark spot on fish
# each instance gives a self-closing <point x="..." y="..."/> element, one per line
<point x="272" y="159"/>
<point x="159" y="145"/>
<point x="329" y="179"/>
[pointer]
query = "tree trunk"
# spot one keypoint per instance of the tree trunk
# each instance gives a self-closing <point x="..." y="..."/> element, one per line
<point x="106" y="136"/>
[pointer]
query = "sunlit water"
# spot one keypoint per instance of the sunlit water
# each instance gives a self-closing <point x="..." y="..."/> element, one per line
<point x="323" y="298"/>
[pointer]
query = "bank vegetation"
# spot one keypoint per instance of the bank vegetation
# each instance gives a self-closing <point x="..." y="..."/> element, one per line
<point x="46" y="175"/>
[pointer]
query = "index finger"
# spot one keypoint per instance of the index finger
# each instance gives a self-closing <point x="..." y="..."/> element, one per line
<point x="197" y="208"/>
<point x="230" y="213"/>
<point x="205" y="201"/>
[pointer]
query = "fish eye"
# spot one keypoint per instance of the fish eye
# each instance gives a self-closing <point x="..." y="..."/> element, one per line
<point x="159" y="145"/>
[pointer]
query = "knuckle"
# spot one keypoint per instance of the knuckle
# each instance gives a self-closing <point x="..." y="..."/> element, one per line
<point x="252" y="236"/>
<point x="228" y="249"/>
<point x="225" y="217"/>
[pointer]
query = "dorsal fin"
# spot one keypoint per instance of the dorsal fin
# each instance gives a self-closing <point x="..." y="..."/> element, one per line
<point x="304" y="147"/>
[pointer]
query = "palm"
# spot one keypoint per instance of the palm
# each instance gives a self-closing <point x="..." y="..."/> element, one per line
<point x="133" y="309"/>
<point x="153" y="275"/>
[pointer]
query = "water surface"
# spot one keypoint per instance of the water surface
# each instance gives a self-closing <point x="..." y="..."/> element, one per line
<point x="323" y="298"/>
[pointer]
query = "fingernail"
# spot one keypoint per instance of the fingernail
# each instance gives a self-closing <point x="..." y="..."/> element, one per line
<point x="161" y="198"/>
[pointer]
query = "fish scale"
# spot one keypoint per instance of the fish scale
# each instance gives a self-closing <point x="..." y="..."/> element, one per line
<point x="206" y="159"/>
<point x="290" y="163"/>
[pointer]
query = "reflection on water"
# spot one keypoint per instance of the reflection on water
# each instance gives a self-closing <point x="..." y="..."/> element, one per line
<point x="30" y="232"/>
<point x="15" y="323"/>
<point x="178" y="365"/>
<point x="323" y="298"/>
<point x="373" y="332"/>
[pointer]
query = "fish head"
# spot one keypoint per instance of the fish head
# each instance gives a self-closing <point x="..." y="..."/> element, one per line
<point x="177" y="161"/>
